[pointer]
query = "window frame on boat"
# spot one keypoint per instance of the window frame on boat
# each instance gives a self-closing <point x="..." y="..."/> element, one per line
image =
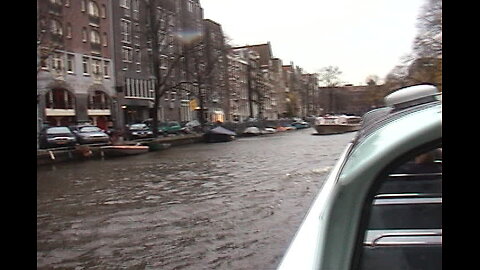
<point x="382" y="177"/>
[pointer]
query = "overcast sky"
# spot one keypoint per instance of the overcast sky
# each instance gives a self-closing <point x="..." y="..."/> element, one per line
<point x="361" y="37"/>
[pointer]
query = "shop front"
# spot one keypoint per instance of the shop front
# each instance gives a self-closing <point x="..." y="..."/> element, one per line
<point x="136" y="110"/>
<point x="100" y="109"/>
<point x="60" y="107"/>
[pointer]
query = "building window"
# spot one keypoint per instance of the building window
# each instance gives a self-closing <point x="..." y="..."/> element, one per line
<point x="56" y="28"/>
<point x="57" y="61"/>
<point x="190" y="6"/>
<point x="136" y="9"/>
<point x="84" y="34"/>
<point x="128" y="91"/>
<point x="99" y="101"/>
<point x="105" y="39"/>
<point x="106" y="67"/>
<point x="103" y="11"/>
<point x="69" y="30"/>
<point x="59" y="99"/>
<point x="163" y="62"/>
<point x="127" y="54"/>
<point x="96" y="69"/>
<point x="44" y="63"/>
<point x="137" y="32"/>
<point x="125" y="4"/>
<point x="85" y="65"/>
<point x="93" y="9"/>
<point x="138" y="56"/>
<point x="70" y="63"/>
<point x="95" y="37"/>
<point x="83" y="5"/>
<point x="125" y="30"/>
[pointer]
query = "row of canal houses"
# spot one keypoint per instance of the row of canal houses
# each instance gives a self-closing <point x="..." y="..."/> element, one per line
<point x="95" y="64"/>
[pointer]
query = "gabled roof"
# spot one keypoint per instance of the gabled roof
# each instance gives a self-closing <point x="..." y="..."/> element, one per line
<point x="264" y="50"/>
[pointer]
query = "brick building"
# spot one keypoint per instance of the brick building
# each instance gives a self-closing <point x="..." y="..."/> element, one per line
<point x="175" y="22"/>
<point x="216" y="79"/>
<point x="75" y="81"/>
<point x="350" y="99"/>
<point x="243" y="69"/>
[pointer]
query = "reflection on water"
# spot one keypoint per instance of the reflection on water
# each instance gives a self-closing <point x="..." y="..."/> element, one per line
<point x="230" y="205"/>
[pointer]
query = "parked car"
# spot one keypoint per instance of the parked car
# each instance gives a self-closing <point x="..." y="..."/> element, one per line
<point x="139" y="131"/>
<point x="285" y="127"/>
<point x="191" y="126"/>
<point x="170" y="127"/>
<point x="56" y="137"/>
<point x="89" y="134"/>
<point x="300" y="124"/>
<point x="381" y="205"/>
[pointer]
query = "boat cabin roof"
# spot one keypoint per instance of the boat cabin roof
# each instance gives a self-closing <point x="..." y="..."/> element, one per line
<point x="399" y="104"/>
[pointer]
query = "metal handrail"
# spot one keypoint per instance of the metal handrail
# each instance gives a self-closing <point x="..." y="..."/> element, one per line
<point x="400" y="175"/>
<point x="407" y="195"/>
<point x="412" y="201"/>
<point x="374" y="242"/>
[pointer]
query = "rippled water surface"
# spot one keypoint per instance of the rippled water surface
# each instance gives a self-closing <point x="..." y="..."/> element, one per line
<point x="233" y="205"/>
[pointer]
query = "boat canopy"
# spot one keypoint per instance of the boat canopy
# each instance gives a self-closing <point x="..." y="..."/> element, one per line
<point x="222" y="130"/>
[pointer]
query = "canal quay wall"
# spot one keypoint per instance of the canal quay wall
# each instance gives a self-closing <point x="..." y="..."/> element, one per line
<point x="64" y="154"/>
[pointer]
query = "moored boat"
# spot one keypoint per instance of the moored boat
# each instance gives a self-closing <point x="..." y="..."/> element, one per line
<point x="337" y="124"/>
<point x="155" y="145"/>
<point x="123" y="150"/>
<point x="219" y="134"/>
<point x="267" y="130"/>
<point x="251" y="131"/>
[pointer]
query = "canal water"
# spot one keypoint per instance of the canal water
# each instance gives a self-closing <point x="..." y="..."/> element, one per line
<point x="234" y="205"/>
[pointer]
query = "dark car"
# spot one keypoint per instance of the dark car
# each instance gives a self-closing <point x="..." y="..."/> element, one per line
<point x="171" y="127"/>
<point x="89" y="134"/>
<point x="300" y="124"/>
<point x="139" y="131"/>
<point x="56" y="137"/>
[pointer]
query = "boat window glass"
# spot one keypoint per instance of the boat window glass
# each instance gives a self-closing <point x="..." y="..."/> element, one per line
<point x="403" y="228"/>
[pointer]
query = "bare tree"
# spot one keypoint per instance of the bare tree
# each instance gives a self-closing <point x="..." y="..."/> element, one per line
<point x="424" y="64"/>
<point x="330" y="76"/>
<point x="167" y="50"/>
<point x="207" y="64"/>
<point x="49" y="34"/>
<point x="372" y="80"/>
<point x="428" y="42"/>
<point x="397" y="77"/>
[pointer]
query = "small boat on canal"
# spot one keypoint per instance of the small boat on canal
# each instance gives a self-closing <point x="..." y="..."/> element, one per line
<point x="219" y="134"/>
<point x="156" y="146"/>
<point x="336" y="124"/>
<point x="251" y="131"/>
<point x="123" y="150"/>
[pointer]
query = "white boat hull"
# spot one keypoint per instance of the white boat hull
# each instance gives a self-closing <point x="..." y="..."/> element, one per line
<point x="326" y="129"/>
